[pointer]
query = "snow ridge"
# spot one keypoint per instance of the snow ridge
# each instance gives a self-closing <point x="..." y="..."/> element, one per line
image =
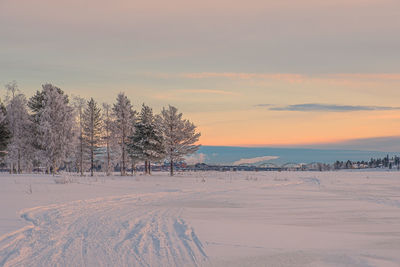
<point x="133" y="230"/>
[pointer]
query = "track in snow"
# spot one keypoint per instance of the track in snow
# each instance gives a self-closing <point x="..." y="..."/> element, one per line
<point x="121" y="231"/>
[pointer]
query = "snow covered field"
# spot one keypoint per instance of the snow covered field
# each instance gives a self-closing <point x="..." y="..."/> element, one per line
<point x="202" y="219"/>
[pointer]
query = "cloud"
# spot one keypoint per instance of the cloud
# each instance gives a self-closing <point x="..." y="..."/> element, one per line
<point x="292" y="77"/>
<point x="254" y="160"/>
<point x="207" y="91"/>
<point x="329" y="107"/>
<point x="380" y="143"/>
<point x="367" y="76"/>
<point x="195" y="158"/>
<point x="286" y="77"/>
<point x="180" y="93"/>
<point x="263" y="105"/>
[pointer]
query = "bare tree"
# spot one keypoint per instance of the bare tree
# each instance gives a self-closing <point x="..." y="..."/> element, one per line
<point x="80" y="105"/>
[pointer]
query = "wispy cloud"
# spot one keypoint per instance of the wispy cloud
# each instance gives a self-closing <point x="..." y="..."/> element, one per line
<point x="328" y="107"/>
<point x="245" y="76"/>
<point x="367" y="76"/>
<point x="291" y="76"/>
<point x="263" y="105"/>
<point x="287" y="77"/>
<point x="207" y="91"/>
<point x="181" y="93"/>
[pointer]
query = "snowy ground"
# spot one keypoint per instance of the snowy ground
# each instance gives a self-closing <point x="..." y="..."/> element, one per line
<point x="202" y="219"/>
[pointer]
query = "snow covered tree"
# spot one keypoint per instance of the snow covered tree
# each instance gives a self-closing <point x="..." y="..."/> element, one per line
<point x="124" y="117"/>
<point x="107" y="135"/>
<point x="36" y="105"/>
<point x="18" y="121"/>
<point x="4" y="130"/>
<point x="79" y="105"/>
<point x="179" y="136"/>
<point x="56" y="127"/>
<point x="146" y="143"/>
<point x="92" y="128"/>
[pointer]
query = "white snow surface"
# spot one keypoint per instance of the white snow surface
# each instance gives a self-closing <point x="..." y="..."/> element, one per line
<point x="202" y="219"/>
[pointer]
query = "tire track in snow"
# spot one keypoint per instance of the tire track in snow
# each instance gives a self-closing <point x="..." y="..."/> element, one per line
<point x="131" y="230"/>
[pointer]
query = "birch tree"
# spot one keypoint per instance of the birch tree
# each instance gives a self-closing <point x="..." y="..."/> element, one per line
<point x="80" y="106"/>
<point x="124" y="116"/>
<point x="179" y="134"/>
<point x="92" y="127"/>
<point x="18" y="120"/>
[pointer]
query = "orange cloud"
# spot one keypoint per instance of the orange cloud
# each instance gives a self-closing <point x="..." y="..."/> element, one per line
<point x="207" y="91"/>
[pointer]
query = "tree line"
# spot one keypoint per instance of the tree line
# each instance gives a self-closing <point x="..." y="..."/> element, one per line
<point x="386" y="162"/>
<point x="51" y="131"/>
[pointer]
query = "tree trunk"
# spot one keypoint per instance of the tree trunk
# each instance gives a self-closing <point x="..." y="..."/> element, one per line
<point x="54" y="167"/>
<point x="145" y="167"/>
<point x="123" y="157"/>
<point x="171" y="166"/>
<point x="108" y="159"/>
<point x="91" y="161"/>
<point x="81" y="156"/>
<point x="19" y="161"/>
<point x="149" y="168"/>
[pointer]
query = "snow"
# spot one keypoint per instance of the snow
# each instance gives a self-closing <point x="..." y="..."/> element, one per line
<point x="201" y="219"/>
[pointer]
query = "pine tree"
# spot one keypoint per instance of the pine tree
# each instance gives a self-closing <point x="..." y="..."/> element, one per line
<point x="146" y="143"/>
<point x="124" y="117"/>
<point x="56" y="127"/>
<point x="92" y="127"/>
<point x="107" y="135"/>
<point x="18" y="121"/>
<point x="179" y="136"/>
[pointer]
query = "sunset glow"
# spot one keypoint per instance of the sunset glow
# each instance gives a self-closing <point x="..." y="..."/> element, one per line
<point x="238" y="70"/>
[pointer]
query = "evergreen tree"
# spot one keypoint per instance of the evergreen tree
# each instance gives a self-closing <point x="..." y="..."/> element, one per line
<point x="92" y="127"/>
<point x="107" y="135"/>
<point x="124" y="117"/>
<point x="56" y="127"/>
<point x="179" y="134"/>
<point x="146" y="143"/>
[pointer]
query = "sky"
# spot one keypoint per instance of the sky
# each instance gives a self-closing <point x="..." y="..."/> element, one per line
<point x="247" y="73"/>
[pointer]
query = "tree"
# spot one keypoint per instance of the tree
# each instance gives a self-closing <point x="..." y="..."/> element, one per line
<point x="124" y="117"/>
<point x="4" y="131"/>
<point x="36" y="105"/>
<point x="80" y="105"/>
<point x="107" y="135"/>
<point x="146" y="143"/>
<point x="179" y="136"/>
<point x="92" y="127"/>
<point x="56" y="127"/>
<point x="18" y="120"/>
